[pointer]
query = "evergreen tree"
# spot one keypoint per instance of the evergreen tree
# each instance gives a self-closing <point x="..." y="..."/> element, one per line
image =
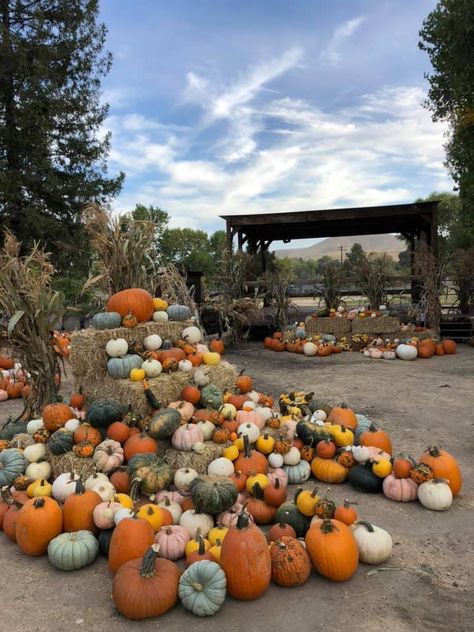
<point x="52" y="155"/>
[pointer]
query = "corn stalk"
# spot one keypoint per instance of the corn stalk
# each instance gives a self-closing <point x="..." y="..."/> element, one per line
<point x="333" y="277"/>
<point x="372" y="276"/>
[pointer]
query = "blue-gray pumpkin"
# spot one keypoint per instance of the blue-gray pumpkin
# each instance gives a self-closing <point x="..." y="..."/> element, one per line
<point x="202" y="588"/>
<point x="102" y="412"/>
<point x="298" y="473"/>
<point x="178" y="312"/>
<point x="212" y="397"/>
<point x="363" y="424"/>
<point x="213" y="494"/>
<point x="71" y="551"/>
<point x="106" y="320"/>
<point x="119" y="368"/>
<point x="12" y="464"/>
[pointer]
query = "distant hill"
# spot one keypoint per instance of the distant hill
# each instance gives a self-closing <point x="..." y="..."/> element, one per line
<point x="331" y="247"/>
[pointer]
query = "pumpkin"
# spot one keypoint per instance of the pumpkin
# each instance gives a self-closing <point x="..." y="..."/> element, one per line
<point x="449" y="347"/>
<point x="333" y="549"/>
<point x="217" y="533"/>
<point x="160" y="316"/>
<point x="172" y="540"/>
<point x="139" y="444"/>
<point x="173" y="508"/>
<point x="250" y="461"/>
<point x="246" y="561"/>
<point x="12" y="464"/>
<point x="151" y="368"/>
<point x="243" y="384"/>
<point x="443" y="465"/>
<point x="146" y="587"/>
<point x="402" y="490"/>
<point x="377" y="438"/>
<point x="37" y="523"/>
<point x="130" y="540"/>
<point x="85" y="432"/>
<point x="426" y="348"/>
<point x="275" y="493"/>
<point x="108" y="456"/>
<point x="103" y="514"/>
<point x="121" y="368"/>
<point x="306" y="502"/>
<point x="78" y="509"/>
<point x="72" y="424"/>
<point x="55" y="416"/>
<point x="402" y="466"/>
<point x="343" y="416"/>
<point x="229" y="518"/>
<point x="328" y="471"/>
<point x="104" y="538"/>
<point x="186" y="436"/>
<point x="116" y="348"/>
<point x="345" y="513"/>
<point x="183" y="478"/>
<point x="153" y="514"/>
<point x="275" y="460"/>
<point x="280" y="530"/>
<point x="61" y="441"/>
<point x="375" y="544"/>
<point x="289" y="513"/>
<point x="212" y="495"/>
<point x="195" y="522"/>
<point x="211" y="396"/>
<point x="421" y="473"/>
<point x="202" y="588"/>
<point x="178" y="313"/>
<point x="151" y="470"/>
<point x="64" y="486"/>
<point x="160" y="304"/>
<point x="406" y="352"/>
<point x="298" y="473"/>
<point x="34" y="425"/>
<point x="310" y="432"/>
<point x="71" y="551"/>
<point x="135" y="301"/>
<point x="291" y="565"/>
<point x="118" y="431"/>
<point x="102" y="412"/>
<point x="239" y="480"/>
<point x="258" y="508"/>
<point x="164" y="422"/>
<point x="39" y="488"/>
<point x="106" y="320"/>
<point x="362" y="477"/>
<point x="435" y="494"/>
<point x="221" y="467"/>
<point x="251" y="430"/>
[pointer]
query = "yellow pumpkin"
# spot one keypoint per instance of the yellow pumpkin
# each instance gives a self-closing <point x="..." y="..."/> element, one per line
<point x="137" y="375"/>
<point x="211" y="358"/>
<point x="342" y="436"/>
<point x="306" y="502"/>
<point x="215" y="550"/>
<point x="217" y="533"/>
<point x="261" y="479"/>
<point x="124" y="500"/>
<point x="231" y="452"/>
<point x="228" y="411"/>
<point x="160" y="305"/>
<point x="239" y="444"/>
<point x="382" y="468"/>
<point x="265" y="444"/>
<point x="193" y="545"/>
<point x="152" y="514"/>
<point x="38" y="488"/>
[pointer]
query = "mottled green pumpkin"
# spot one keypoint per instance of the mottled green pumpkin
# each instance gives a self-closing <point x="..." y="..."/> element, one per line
<point x="12" y="428"/>
<point x="106" y="320"/>
<point x="298" y="473"/>
<point x="213" y="494"/>
<point x="71" y="551"/>
<point x="103" y="412"/>
<point x="202" y="588"/>
<point x="12" y="464"/>
<point x="288" y="513"/>
<point x="212" y="397"/>
<point x="119" y="368"/>
<point x="311" y="433"/>
<point x="152" y="471"/>
<point x="61" y="441"/>
<point x="163" y="423"/>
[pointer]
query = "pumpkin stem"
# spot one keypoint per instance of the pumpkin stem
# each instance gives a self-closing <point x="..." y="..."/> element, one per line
<point x="134" y="489"/>
<point x="433" y="451"/>
<point x="201" y="547"/>
<point x="39" y="502"/>
<point x="147" y="568"/>
<point x="168" y="530"/>
<point x="80" y="489"/>
<point x="257" y="491"/>
<point x="366" y="524"/>
<point x="373" y="427"/>
<point x="276" y="484"/>
<point x="246" y="446"/>
<point x="242" y="520"/>
<point x="348" y="503"/>
<point x="314" y="493"/>
<point x="328" y="526"/>
<point x="198" y="587"/>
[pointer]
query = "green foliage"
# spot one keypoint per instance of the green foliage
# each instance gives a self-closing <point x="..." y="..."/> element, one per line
<point x="354" y="257"/>
<point x="52" y="154"/>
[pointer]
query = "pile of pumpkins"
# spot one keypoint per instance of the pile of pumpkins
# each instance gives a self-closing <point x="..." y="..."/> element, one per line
<point x="352" y="314"/>
<point x="13" y="380"/>
<point x="155" y="356"/>
<point x="143" y="515"/>
<point x="322" y="345"/>
<point x="409" y="350"/>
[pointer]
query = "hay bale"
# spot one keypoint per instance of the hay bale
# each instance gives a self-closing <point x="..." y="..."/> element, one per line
<point x="166" y="387"/>
<point x="377" y="325"/>
<point x="323" y="325"/>
<point x="70" y="462"/>
<point x="88" y="358"/>
<point x="198" y="462"/>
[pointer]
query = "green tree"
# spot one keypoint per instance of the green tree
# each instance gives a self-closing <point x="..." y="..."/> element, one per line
<point x="447" y="36"/>
<point x="217" y="243"/>
<point x="159" y="221"/>
<point x="52" y="154"/>
<point x="188" y="249"/>
<point x="354" y="257"/>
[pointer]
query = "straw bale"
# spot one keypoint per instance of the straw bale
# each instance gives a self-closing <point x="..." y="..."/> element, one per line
<point x="377" y="325"/>
<point x="70" y="462"/>
<point x="323" y="325"/>
<point x="198" y="462"/>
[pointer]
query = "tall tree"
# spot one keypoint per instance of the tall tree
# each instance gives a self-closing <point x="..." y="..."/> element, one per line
<point x="52" y="154"/>
<point x="447" y="36"/>
<point x="188" y="249"/>
<point x="354" y="257"/>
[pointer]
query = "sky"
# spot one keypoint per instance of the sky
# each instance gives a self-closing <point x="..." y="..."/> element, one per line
<point x="223" y="107"/>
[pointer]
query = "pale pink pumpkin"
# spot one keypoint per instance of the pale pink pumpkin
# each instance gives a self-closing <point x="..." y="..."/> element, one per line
<point x="377" y="453"/>
<point x="244" y="417"/>
<point x="277" y="472"/>
<point x="403" y="490"/>
<point x="229" y="518"/>
<point x="186" y="436"/>
<point x="185" y="409"/>
<point x="172" y="541"/>
<point x="290" y="428"/>
<point x="174" y="497"/>
<point x="104" y="514"/>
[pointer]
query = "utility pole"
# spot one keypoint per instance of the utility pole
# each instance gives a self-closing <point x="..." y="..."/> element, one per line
<point x="342" y="248"/>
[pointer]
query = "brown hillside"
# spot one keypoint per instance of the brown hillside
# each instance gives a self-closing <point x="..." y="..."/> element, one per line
<point x="330" y="247"/>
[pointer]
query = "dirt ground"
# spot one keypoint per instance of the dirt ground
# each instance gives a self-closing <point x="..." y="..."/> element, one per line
<point x="426" y="585"/>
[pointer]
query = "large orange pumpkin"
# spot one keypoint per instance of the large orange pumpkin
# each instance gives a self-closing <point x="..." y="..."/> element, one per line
<point x="135" y="300"/>
<point x="449" y="347"/>
<point x="343" y="416"/>
<point x="291" y="565"/>
<point x="78" y="508"/>
<point x="332" y="549"/>
<point x="377" y="438"/>
<point x="444" y="465"/>
<point x="139" y="444"/>
<point x="426" y="348"/>
<point x="38" y="522"/>
<point x="131" y="539"/>
<point x="55" y="416"/>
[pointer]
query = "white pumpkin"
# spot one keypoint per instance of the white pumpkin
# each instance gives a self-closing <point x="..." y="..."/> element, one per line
<point x="264" y="412"/>
<point x="174" y="508"/>
<point x="376" y="354"/>
<point x="228" y="411"/>
<point x="199" y="447"/>
<point x="375" y="544"/>
<point x="319" y="415"/>
<point x="254" y="396"/>
<point x="207" y="428"/>
<point x="105" y="490"/>
<point x="64" y="486"/>
<point x="33" y="426"/>
<point x="185" y="365"/>
<point x="192" y="335"/>
<point x="183" y="478"/>
<point x="220" y="467"/>
<point x="249" y="405"/>
<point x="72" y="424"/>
<point x="366" y="353"/>
<point x="435" y="495"/>
<point x="249" y="429"/>
<point x="406" y="352"/>
<point x="152" y="342"/>
<point x="95" y="479"/>
<point x="152" y="368"/>
<point x="201" y="377"/>
<point x="275" y="460"/>
<point x="389" y="355"/>
<point x="193" y="522"/>
<point x="116" y="348"/>
<point x="361" y="453"/>
<point x="292" y="457"/>
<point x="34" y="453"/>
<point x="310" y="349"/>
<point x="160" y="317"/>
<point x="125" y="512"/>
<point x="38" y="471"/>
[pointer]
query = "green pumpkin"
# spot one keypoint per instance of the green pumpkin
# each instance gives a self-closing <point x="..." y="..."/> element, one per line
<point x="363" y="424"/>
<point x="202" y="588"/>
<point x="61" y="441"/>
<point x="12" y="464"/>
<point x="12" y="428"/>
<point x="298" y="473"/>
<point x="71" y="551"/>
<point x="361" y="477"/>
<point x="104" y="538"/>
<point x="163" y="423"/>
<point x="213" y="494"/>
<point x="106" y="320"/>
<point x="178" y="312"/>
<point x="152" y="471"/>
<point x="119" y="368"/>
<point x="311" y="433"/>
<point x="289" y="513"/>
<point x="212" y="397"/>
<point x="102" y="412"/>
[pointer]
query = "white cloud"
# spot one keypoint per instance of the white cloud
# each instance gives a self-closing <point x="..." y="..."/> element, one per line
<point x="332" y="54"/>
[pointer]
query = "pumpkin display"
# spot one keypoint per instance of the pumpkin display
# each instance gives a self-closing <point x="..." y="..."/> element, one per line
<point x="102" y="412"/>
<point x="12" y="464"/>
<point x="163" y="423"/>
<point x="333" y="549"/>
<point x="134" y="301"/>
<point x="55" y="416"/>
<point x="435" y="494"/>
<point x="37" y="523"/>
<point x="374" y="544"/>
<point x="202" y="588"/>
<point x="443" y="465"/>
<point x="146" y="586"/>
<point x="402" y="490"/>
<point x="72" y="551"/>
<point x="291" y="565"/>
<point x="154" y="474"/>
<point x="212" y="494"/>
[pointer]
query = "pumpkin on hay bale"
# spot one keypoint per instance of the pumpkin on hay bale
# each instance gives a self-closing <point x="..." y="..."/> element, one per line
<point x="196" y="461"/>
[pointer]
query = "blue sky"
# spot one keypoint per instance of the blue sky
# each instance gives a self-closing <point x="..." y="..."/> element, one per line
<point x="220" y="107"/>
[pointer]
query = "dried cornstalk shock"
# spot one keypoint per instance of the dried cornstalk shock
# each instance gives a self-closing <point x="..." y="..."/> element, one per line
<point x="32" y="307"/>
<point x="333" y="278"/>
<point x="172" y="286"/>
<point x="372" y="276"/>
<point x="277" y="283"/>
<point x="431" y="273"/>
<point x="463" y="279"/>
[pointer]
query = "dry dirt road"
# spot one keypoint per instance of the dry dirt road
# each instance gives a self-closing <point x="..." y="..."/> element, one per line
<point x="427" y="585"/>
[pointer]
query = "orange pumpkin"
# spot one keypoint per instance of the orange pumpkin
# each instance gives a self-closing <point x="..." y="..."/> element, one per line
<point x="291" y="565"/>
<point x="139" y="444"/>
<point x="85" y="432"/>
<point x="78" y="508"/>
<point x="439" y="349"/>
<point x="243" y="384"/>
<point x="217" y="346"/>
<point x="191" y="394"/>
<point x="345" y="513"/>
<point x="131" y="538"/>
<point x="426" y="348"/>
<point x="333" y="549"/>
<point x="38" y="522"/>
<point x="443" y="465"/>
<point x="55" y="416"/>
<point x="250" y="461"/>
<point x="402" y="467"/>
<point x="343" y="416"/>
<point x="377" y="438"/>
<point x="135" y="300"/>
<point x="118" y="431"/>
<point x="449" y="347"/>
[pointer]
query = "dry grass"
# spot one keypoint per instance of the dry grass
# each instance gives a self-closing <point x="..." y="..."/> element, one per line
<point x="333" y="279"/>
<point x="372" y="277"/>
<point x="431" y="273"/>
<point x="32" y="307"/>
<point x="277" y="283"/>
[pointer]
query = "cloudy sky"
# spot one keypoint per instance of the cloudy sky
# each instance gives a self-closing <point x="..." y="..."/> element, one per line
<point x="226" y="106"/>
